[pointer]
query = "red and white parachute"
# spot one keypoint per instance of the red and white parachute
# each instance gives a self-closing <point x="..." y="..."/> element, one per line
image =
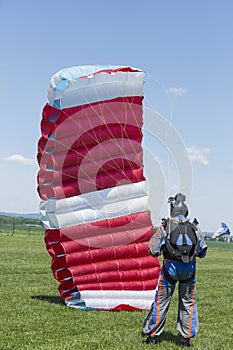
<point x="94" y="203"/>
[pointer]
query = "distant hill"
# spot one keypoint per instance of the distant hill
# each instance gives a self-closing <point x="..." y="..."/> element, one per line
<point x="22" y="215"/>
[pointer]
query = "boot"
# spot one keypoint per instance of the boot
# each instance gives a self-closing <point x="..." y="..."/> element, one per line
<point x="185" y="342"/>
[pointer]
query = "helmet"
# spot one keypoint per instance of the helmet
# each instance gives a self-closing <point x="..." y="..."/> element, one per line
<point x="178" y="207"/>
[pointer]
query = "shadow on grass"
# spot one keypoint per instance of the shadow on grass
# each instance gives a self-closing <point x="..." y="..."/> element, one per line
<point x="49" y="299"/>
<point x="167" y="336"/>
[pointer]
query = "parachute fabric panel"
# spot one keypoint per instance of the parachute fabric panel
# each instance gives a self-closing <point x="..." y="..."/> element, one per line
<point x="94" y="203"/>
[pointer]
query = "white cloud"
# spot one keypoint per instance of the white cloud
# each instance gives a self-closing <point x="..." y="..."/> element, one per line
<point x="198" y="155"/>
<point x="18" y="158"/>
<point x="176" y="91"/>
<point x="231" y="167"/>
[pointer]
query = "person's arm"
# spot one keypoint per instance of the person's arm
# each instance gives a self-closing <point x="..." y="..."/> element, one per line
<point x="202" y="244"/>
<point x="157" y="241"/>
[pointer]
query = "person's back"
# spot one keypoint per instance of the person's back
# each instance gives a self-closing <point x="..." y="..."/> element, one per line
<point x="181" y="242"/>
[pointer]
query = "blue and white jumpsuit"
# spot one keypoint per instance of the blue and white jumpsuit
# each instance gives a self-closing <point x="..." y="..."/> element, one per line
<point x="174" y="271"/>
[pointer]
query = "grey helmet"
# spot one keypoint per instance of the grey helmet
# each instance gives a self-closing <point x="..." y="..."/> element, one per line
<point x="177" y="206"/>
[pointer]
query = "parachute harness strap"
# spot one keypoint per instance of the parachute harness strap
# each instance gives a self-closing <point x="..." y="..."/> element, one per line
<point x="181" y="251"/>
<point x="183" y="248"/>
<point x="167" y="240"/>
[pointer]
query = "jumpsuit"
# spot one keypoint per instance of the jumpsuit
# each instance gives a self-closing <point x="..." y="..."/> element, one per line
<point x="171" y="273"/>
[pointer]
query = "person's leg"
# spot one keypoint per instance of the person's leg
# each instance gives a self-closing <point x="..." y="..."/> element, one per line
<point x="157" y="316"/>
<point x="187" y="322"/>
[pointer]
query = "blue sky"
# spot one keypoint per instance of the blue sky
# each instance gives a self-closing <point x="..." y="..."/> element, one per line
<point x="186" y="49"/>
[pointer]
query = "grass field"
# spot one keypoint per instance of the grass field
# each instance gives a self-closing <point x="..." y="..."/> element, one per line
<point x="34" y="317"/>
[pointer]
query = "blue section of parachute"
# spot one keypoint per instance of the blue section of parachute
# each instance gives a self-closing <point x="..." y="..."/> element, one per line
<point x="62" y="85"/>
<point x="74" y="301"/>
<point x="57" y="104"/>
<point x="226" y="228"/>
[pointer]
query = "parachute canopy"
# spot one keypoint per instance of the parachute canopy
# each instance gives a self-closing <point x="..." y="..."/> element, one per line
<point x="94" y="203"/>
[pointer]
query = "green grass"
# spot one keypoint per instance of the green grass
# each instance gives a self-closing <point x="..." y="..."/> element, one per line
<point x="33" y="316"/>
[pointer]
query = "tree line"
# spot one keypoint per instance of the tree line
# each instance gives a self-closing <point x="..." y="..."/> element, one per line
<point x="19" y="220"/>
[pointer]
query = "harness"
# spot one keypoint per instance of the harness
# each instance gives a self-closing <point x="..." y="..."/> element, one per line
<point x="181" y="243"/>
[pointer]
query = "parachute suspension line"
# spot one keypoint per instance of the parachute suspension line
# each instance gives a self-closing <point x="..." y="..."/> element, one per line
<point x="121" y="147"/>
<point x="95" y="138"/>
<point x="72" y="149"/>
<point x="165" y="89"/>
<point x="135" y="119"/>
<point x="110" y="131"/>
<point x="168" y="154"/>
<point x="88" y="178"/>
<point x="122" y="135"/>
<point x="157" y="82"/>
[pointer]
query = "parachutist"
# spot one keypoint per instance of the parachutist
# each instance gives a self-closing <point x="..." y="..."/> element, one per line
<point x="180" y="242"/>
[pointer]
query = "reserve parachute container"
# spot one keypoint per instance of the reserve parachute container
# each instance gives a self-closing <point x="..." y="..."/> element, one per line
<point x="94" y="202"/>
